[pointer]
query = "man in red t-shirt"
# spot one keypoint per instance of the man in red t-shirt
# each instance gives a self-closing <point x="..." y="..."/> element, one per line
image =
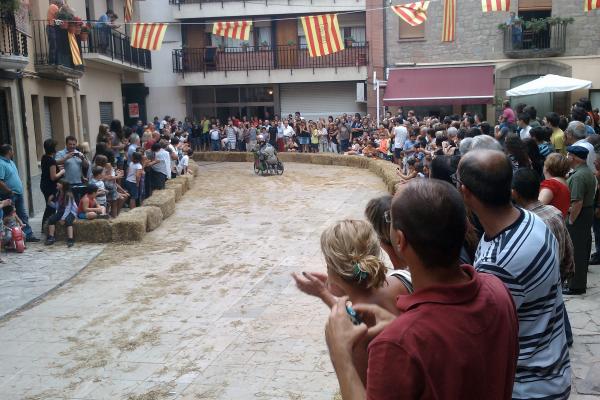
<point x="457" y="334"/>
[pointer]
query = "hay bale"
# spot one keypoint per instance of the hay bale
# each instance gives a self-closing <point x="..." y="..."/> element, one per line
<point x="154" y="216"/>
<point x="195" y="168"/>
<point x="183" y="182"/>
<point x="163" y="199"/>
<point x="189" y="180"/>
<point x="95" y="231"/>
<point x="129" y="226"/>
<point x="176" y="187"/>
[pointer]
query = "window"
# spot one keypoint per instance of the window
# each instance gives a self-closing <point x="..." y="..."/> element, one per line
<point x="411" y="32"/>
<point x="356" y="33"/>
<point x="110" y="5"/>
<point x="228" y="95"/>
<point x="84" y="118"/>
<point x="4" y="128"/>
<point x="106" y="112"/>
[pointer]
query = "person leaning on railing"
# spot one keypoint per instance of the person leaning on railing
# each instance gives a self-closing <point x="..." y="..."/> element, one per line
<point x="51" y="28"/>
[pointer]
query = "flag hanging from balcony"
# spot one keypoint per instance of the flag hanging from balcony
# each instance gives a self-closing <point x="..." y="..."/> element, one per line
<point x="322" y="34"/>
<point x="128" y="10"/>
<point x="75" y="53"/>
<point x="148" y="36"/>
<point x="495" y="5"/>
<point x="449" y="22"/>
<point x="590" y="5"/>
<point x="414" y="13"/>
<point x="233" y="29"/>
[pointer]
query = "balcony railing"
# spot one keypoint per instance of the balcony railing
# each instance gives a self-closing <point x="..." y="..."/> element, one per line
<point x="52" y="51"/>
<point x="116" y="46"/>
<point x="257" y="58"/>
<point x="12" y="42"/>
<point x="523" y="43"/>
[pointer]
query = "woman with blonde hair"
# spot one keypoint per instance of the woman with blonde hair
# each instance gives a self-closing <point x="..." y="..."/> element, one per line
<point x="355" y="269"/>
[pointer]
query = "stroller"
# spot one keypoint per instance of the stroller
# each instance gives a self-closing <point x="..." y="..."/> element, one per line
<point x="266" y="162"/>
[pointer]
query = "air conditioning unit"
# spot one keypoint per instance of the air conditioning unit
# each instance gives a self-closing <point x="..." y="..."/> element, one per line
<point x="361" y="92"/>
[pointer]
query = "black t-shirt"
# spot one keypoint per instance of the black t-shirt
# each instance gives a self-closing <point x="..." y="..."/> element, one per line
<point x="46" y="183"/>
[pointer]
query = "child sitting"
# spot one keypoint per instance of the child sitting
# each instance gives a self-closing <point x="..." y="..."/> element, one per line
<point x="88" y="207"/>
<point x="98" y="180"/>
<point x="184" y="163"/>
<point x="291" y="145"/>
<point x="66" y="212"/>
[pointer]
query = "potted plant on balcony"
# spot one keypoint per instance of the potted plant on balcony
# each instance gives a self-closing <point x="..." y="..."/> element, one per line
<point x="245" y="46"/>
<point x="85" y="32"/>
<point x="349" y="41"/>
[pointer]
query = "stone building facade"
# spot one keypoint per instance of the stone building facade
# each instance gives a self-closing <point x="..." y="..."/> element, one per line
<point x="480" y="41"/>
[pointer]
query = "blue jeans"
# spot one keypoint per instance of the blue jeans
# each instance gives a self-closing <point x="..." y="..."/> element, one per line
<point x="19" y="204"/>
<point x="215" y="145"/>
<point x="344" y="143"/>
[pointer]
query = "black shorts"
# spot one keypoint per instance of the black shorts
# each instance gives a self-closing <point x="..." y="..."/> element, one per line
<point x="397" y="153"/>
<point x="69" y="219"/>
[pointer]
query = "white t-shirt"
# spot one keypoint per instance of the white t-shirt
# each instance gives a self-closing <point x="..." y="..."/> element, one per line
<point x="401" y="134"/>
<point x="215" y="134"/>
<point x="288" y="131"/>
<point x="525" y="133"/>
<point x="164" y="166"/>
<point x="132" y="171"/>
<point x="183" y="163"/>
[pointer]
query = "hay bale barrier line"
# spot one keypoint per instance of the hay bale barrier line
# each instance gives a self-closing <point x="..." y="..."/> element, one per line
<point x="384" y="169"/>
<point x="132" y="225"/>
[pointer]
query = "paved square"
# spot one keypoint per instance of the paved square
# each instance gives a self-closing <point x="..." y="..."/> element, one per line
<point x="204" y="307"/>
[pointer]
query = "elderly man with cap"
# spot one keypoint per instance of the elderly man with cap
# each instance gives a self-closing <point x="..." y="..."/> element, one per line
<point x="582" y="184"/>
<point x="576" y="135"/>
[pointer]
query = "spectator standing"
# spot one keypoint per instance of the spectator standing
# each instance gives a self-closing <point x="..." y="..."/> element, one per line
<point x="52" y="29"/>
<point x="323" y="138"/>
<point x="454" y="315"/>
<point x="105" y="24"/>
<point x="582" y="185"/>
<point x="11" y="188"/>
<point x="215" y="138"/>
<point x="524" y="127"/>
<point x="507" y="119"/>
<point x="161" y="167"/>
<point x="520" y="249"/>
<point x="400" y="137"/>
<point x="344" y="136"/>
<point x="557" y="138"/>
<point x="525" y="192"/>
<point x="74" y="163"/>
<point x="576" y="135"/>
<point x="50" y="176"/>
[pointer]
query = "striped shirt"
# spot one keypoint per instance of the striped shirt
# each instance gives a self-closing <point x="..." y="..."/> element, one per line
<point x="525" y="257"/>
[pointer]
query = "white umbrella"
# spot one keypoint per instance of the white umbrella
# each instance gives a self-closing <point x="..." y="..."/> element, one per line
<point x="549" y="84"/>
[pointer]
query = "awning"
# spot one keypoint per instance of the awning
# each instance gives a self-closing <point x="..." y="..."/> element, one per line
<point x="440" y="86"/>
<point x="549" y="84"/>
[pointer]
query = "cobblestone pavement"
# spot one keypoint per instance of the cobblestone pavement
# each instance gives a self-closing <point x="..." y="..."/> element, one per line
<point x="204" y="307"/>
<point x="27" y="276"/>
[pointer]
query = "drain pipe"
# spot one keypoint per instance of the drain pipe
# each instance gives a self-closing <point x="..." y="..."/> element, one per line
<point x="26" y="139"/>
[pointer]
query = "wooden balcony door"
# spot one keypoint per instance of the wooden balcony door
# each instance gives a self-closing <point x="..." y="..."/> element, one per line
<point x="286" y="33"/>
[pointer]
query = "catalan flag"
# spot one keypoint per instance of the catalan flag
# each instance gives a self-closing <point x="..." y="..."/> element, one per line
<point x="75" y="53"/>
<point x="148" y="36"/>
<point x="128" y="10"/>
<point x="449" y="22"/>
<point x="589" y="5"/>
<point x="322" y="34"/>
<point x="233" y="29"/>
<point x="414" y="13"/>
<point x="495" y="5"/>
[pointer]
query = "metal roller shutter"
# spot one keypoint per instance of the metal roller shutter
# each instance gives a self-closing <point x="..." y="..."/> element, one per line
<point x="315" y="100"/>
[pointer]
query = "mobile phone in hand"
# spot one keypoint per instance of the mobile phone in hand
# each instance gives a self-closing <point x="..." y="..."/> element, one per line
<point x="353" y="315"/>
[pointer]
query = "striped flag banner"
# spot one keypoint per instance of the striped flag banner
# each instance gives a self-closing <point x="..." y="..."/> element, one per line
<point x="495" y="5"/>
<point x="449" y="22"/>
<point x="128" y="10"/>
<point x="75" y="53"/>
<point x="148" y="36"/>
<point x="233" y="29"/>
<point x="589" y="5"/>
<point x="414" y="13"/>
<point x="322" y="34"/>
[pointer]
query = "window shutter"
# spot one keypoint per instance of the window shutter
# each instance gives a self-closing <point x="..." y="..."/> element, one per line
<point x="106" y="112"/>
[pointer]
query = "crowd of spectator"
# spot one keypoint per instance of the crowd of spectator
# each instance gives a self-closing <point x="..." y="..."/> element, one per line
<point x="488" y="230"/>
